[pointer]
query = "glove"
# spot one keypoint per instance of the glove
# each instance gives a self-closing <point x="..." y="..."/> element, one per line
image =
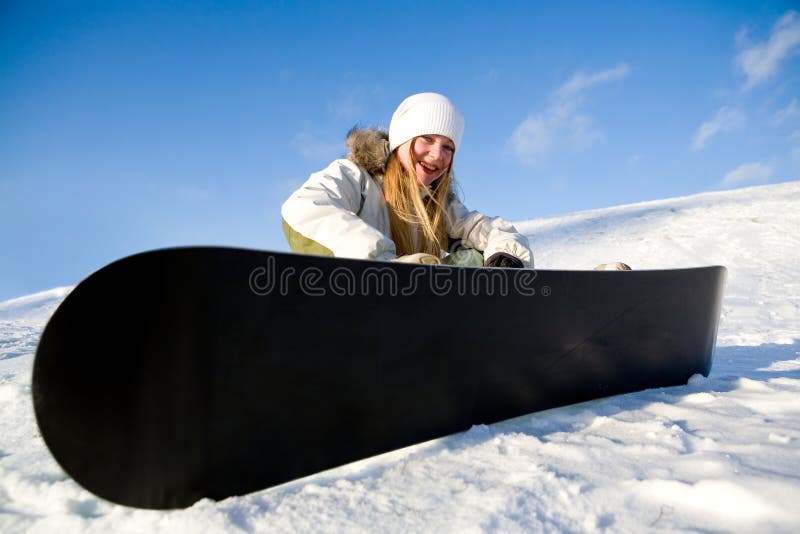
<point x="618" y="266"/>
<point x="505" y="260"/>
<point x="420" y="257"/>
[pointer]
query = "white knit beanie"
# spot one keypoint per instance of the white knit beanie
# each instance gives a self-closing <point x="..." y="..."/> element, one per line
<point x="425" y="114"/>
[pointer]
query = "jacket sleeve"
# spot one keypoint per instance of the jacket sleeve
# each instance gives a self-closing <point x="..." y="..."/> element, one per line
<point x="321" y="217"/>
<point x="488" y="234"/>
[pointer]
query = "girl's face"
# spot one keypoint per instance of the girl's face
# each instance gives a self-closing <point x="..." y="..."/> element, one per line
<point x="432" y="157"/>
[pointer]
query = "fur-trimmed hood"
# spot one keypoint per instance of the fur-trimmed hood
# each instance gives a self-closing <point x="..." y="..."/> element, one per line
<point x="369" y="149"/>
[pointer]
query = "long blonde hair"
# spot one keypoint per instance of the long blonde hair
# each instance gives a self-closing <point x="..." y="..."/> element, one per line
<point x="417" y="219"/>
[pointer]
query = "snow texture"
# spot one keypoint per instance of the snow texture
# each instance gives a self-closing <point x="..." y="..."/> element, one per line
<point x="718" y="454"/>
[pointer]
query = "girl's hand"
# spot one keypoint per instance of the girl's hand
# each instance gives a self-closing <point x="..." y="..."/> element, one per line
<point x="505" y="260"/>
<point x="420" y="257"/>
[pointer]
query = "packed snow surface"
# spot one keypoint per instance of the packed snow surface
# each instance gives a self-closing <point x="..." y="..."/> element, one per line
<point x="719" y="454"/>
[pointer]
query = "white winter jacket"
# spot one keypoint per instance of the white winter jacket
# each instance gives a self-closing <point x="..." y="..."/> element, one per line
<point x="341" y="211"/>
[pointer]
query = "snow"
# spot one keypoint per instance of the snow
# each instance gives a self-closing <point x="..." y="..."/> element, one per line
<point x="719" y="454"/>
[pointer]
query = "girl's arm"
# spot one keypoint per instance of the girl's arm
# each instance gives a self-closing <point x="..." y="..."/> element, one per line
<point x="322" y="216"/>
<point x="488" y="234"/>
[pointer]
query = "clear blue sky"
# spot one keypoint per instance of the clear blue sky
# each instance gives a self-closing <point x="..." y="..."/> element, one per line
<point x="127" y="126"/>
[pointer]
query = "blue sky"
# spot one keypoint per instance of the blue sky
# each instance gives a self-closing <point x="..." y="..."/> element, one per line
<point x="131" y="126"/>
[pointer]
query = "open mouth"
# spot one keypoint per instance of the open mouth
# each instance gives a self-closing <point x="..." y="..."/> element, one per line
<point x="428" y="169"/>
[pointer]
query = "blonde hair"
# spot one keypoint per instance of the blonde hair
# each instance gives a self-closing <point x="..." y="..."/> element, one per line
<point x="417" y="219"/>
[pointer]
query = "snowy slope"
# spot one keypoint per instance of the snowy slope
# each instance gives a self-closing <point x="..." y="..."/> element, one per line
<point x="722" y="453"/>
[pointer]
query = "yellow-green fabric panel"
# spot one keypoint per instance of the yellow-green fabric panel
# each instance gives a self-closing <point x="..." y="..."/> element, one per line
<point x="301" y="244"/>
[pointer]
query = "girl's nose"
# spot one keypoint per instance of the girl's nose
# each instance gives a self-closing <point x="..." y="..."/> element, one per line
<point x="435" y="151"/>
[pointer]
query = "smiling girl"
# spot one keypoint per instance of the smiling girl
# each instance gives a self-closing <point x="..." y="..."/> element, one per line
<point x="393" y="198"/>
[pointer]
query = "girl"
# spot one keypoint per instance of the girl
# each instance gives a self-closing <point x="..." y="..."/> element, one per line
<point x="392" y="198"/>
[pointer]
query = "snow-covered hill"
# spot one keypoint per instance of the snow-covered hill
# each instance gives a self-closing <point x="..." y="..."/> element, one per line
<point x="721" y="453"/>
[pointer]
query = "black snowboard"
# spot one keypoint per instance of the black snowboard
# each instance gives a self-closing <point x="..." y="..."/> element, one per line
<point x="179" y="374"/>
